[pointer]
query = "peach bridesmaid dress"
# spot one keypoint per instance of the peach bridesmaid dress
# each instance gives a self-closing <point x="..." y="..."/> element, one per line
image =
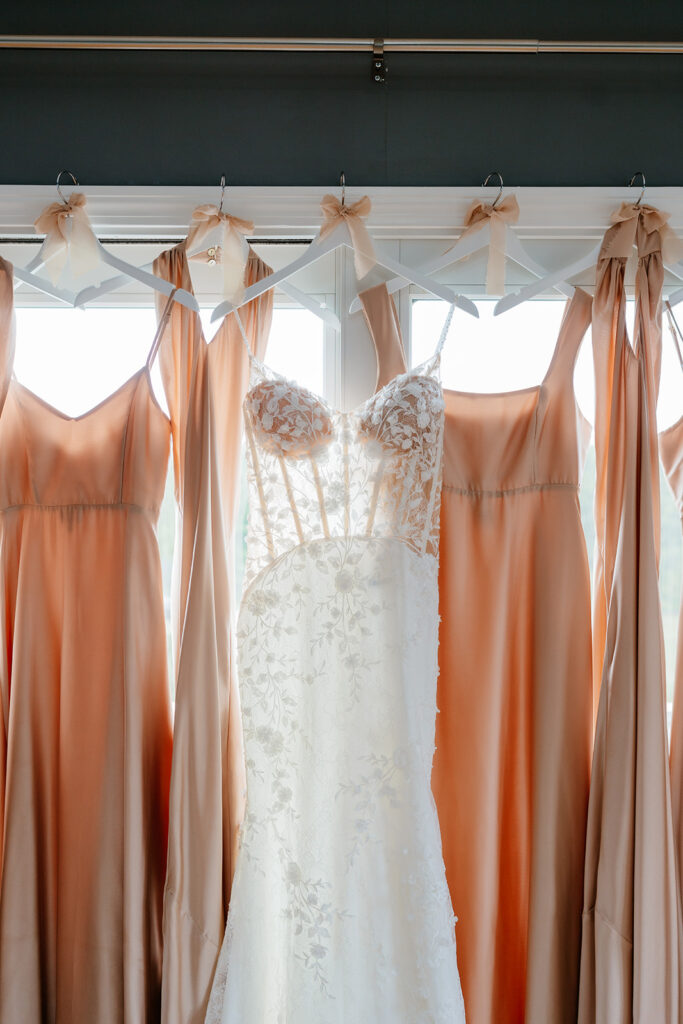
<point x="85" y="728"/>
<point x="671" y="454"/>
<point x="631" y="938"/>
<point x="205" y="386"/>
<point x="513" y="739"/>
<point x="85" y="732"/>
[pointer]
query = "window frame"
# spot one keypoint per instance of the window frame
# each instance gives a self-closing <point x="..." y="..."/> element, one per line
<point x="411" y="224"/>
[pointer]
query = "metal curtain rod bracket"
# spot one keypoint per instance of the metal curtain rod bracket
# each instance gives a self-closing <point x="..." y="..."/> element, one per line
<point x="330" y="45"/>
<point x="379" y="68"/>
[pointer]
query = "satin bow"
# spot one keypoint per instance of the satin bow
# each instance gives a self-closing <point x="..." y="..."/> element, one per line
<point x="68" y="237"/>
<point x="234" y="252"/>
<point x="335" y="212"/>
<point x="498" y="215"/>
<point x="637" y="225"/>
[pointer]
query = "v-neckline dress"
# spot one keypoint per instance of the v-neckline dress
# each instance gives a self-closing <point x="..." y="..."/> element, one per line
<point x="340" y="909"/>
<point x="513" y="733"/>
<point x="85" y="728"/>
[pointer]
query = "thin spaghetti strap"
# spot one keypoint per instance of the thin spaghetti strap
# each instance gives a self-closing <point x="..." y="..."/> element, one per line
<point x="675" y="331"/>
<point x="7" y="327"/>
<point x="238" y="318"/>
<point x="160" y="330"/>
<point x="444" y="332"/>
<point x="432" y="364"/>
<point x="382" y="322"/>
<point x="575" y="321"/>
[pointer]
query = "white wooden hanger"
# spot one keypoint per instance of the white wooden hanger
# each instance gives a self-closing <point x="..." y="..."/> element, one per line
<point x="128" y="269"/>
<point x="29" y="274"/>
<point x="324" y="313"/>
<point x="469" y="244"/>
<point x="25" y="275"/>
<point x="113" y="283"/>
<point x="319" y="247"/>
<point x="676" y="334"/>
<point x="676" y="296"/>
<point x="564" y="274"/>
<point x="557" y="279"/>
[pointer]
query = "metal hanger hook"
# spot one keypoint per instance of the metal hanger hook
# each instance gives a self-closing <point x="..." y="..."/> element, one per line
<point x="642" y="192"/>
<point x="74" y="181"/>
<point x="494" y="174"/>
<point x="342" y="182"/>
<point x="220" y="208"/>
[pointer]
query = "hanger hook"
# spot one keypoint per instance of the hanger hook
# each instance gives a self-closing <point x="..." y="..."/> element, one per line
<point x="494" y="174"/>
<point x="342" y="182"/>
<point x="642" y="191"/>
<point x="74" y="180"/>
<point x="220" y="208"/>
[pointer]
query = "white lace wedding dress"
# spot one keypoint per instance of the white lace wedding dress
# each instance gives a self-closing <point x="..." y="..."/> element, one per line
<point x="340" y="912"/>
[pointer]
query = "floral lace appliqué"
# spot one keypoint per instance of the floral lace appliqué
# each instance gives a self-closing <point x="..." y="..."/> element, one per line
<point x="340" y="908"/>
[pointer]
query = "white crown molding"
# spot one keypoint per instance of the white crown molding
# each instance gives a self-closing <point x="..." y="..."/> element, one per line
<point x="149" y="211"/>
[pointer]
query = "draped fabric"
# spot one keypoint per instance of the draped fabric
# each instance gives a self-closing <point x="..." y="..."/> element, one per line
<point x="203" y="385"/>
<point x="512" y="763"/>
<point x="671" y="453"/>
<point x="7" y="345"/>
<point x="85" y="722"/>
<point x="514" y="729"/>
<point x="631" y="926"/>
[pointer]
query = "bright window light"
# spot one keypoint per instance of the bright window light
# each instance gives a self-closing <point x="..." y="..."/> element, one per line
<point x="74" y="360"/>
<point x="513" y="351"/>
<point x="296" y="350"/>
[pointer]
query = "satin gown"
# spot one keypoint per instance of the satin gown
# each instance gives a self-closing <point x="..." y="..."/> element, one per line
<point x="513" y="733"/>
<point x="205" y="385"/>
<point x="671" y="454"/>
<point x="85" y="729"/>
<point x="631" y="938"/>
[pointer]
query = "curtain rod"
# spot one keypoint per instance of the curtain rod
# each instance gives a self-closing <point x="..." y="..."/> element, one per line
<point x="322" y="45"/>
<point x="166" y="240"/>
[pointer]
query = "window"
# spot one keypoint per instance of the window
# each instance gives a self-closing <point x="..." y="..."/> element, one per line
<point x="514" y="351"/>
<point x="74" y="359"/>
<point x="296" y="349"/>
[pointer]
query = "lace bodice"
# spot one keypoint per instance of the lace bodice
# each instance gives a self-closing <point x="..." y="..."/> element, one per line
<point x="318" y="473"/>
<point x="340" y="909"/>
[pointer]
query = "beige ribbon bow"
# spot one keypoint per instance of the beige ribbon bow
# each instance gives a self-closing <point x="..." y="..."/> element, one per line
<point x="68" y="238"/>
<point x="234" y="252"/>
<point x="498" y="216"/>
<point x="335" y="212"/>
<point x="634" y="224"/>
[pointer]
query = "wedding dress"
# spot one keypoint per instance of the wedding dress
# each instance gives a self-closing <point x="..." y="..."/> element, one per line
<point x="340" y="911"/>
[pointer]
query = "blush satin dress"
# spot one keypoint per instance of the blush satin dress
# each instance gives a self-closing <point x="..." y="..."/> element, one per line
<point x="97" y="924"/>
<point x="85" y="729"/>
<point x="671" y="454"/>
<point x="205" y="385"/>
<point x="632" y="928"/>
<point x="513" y="734"/>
